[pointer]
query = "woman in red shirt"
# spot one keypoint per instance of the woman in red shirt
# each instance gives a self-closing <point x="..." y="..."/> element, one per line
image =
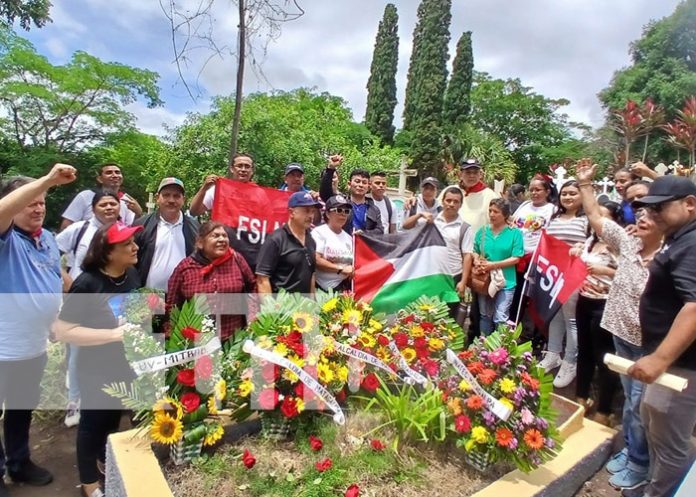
<point x="213" y="268"/>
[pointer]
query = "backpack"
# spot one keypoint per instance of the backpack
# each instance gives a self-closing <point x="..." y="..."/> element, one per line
<point x="79" y="236"/>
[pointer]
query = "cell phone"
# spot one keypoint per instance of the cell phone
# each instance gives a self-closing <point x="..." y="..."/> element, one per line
<point x="127" y="197"/>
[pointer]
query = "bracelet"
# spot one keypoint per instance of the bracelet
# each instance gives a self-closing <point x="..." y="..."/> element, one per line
<point x="584" y="184"/>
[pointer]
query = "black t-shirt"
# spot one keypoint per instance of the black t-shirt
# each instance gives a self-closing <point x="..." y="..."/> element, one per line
<point x="287" y="263"/>
<point x="96" y="300"/>
<point x="672" y="283"/>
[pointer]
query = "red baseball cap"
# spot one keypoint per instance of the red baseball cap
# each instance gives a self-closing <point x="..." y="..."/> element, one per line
<point x="119" y="232"/>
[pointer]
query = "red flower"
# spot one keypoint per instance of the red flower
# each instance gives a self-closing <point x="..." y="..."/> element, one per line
<point x="401" y="339"/>
<point x="504" y="437"/>
<point x="289" y="407"/>
<point x="465" y="355"/>
<point x="268" y="399"/>
<point x="474" y="403"/>
<point x="462" y="423"/>
<point x="190" y="333"/>
<point x="475" y="367"/>
<point x="382" y="340"/>
<point x="427" y="326"/>
<point x="420" y="343"/>
<point x="248" y="459"/>
<point x="409" y="319"/>
<point x="377" y="445"/>
<point x="324" y="465"/>
<point x="371" y="383"/>
<point x="186" y="377"/>
<point x="423" y="353"/>
<point x="190" y="401"/>
<point x="353" y="491"/>
<point x="204" y="367"/>
<point x="341" y="396"/>
<point x="154" y="301"/>
<point x="315" y="443"/>
<point x="269" y="372"/>
<point x="432" y="368"/>
<point x="487" y="376"/>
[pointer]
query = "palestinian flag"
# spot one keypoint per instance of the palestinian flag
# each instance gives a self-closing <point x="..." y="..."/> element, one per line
<point x="393" y="270"/>
<point x="251" y="212"/>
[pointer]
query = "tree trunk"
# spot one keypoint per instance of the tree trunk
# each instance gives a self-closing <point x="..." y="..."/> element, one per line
<point x="645" y="148"/>
<point x="240" y="81"/>
<point x="627" y="150"/>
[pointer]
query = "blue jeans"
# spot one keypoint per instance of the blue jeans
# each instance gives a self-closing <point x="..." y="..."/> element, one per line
<point x="633" y="429"/>
<point x="495" y="311"/>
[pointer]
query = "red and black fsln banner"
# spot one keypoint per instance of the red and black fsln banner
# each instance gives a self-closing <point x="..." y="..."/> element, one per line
<point x="251" y="212"/>
<point x="552" y="278"/>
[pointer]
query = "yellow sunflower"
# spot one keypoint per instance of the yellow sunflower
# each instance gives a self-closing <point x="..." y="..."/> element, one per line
<point x="376" y="325"/>
<point x="221" y="390"/>
<point x="464" y="386"/>
<point x="352" y="316"/>
<point x="299" y="403"/>
<point x="166" y="430"/>
<point x="367" y="340"/>
<point x="330" y="305"/>
<point x="281" y="349"/>
<point x="426" y="308"/>
<point x="342" y="373"/>
<point x="170" y="406"/>
<point x="324" y="373"/>
<point x="213" y="436"/>
<point x="479" y="434"/>
<point x="303" y="321"/>
<point x="507" y="385"/>
<point x="435" y="344"/>
<point x="417" y="331"/>
<point x="409" y="354"/>
<point x="212" y="405"/>
<point x="290" y="376"/>
<point x="383" y="354"/>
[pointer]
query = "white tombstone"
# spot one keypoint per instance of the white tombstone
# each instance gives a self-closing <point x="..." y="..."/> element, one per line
<point x="606" y="183"/>
<point x="403" y="173"/>
<point x="151" y="205"/>
<point x="674" y="167"/>
<point x="499" y="186"/>
<point x="661" y="169"/>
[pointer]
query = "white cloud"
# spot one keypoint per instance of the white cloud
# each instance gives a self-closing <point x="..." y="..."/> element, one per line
<point x="153" y="121"/>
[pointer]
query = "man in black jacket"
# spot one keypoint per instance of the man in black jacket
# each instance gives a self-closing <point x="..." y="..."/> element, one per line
<point x="365" y="215"/>
<point x="168" y="235"/>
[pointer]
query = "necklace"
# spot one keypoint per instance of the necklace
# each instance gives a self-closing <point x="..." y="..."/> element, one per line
<point x="114" y="281"/>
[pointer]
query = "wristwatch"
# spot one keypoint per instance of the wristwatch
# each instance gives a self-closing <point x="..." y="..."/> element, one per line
<point x="340" y="269"/>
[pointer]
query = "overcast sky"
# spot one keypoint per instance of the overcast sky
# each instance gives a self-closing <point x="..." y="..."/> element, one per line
<point x="561" y="48"/>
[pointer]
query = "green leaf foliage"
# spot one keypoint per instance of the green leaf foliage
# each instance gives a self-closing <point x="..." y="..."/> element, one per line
<point x="381" y="87"/>
<point x="26" y="12"/>
<point x="458" y="97"/>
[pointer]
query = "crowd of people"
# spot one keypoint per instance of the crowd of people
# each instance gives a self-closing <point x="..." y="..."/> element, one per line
<point x="638" y="299"/>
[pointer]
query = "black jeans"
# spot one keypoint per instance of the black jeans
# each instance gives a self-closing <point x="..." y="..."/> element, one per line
<point x="593" y="342"/>
<point x="94" y="428"/>
<point x="20" y="390"/>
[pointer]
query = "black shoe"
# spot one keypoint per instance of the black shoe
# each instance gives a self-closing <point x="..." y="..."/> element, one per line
<point x="3" y="489"/>
<point x="31" y="474"/>
<point x="634" y="492"/>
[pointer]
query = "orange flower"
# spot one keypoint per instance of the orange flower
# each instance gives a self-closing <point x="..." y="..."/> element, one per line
<point x="475" y="402"/>
<point x="475" y="367"/>
<point x="534" y="439"/>
<point x="503" y="436"/>
<point x="487" y="376"/>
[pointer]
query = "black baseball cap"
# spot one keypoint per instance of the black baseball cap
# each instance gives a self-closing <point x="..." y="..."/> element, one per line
<point x="430" y="181"/>
<point x="338" y="201"/>
<point x="665" y="189"/>
<point x="469" y="163"/>
<point x="294" y="166"/>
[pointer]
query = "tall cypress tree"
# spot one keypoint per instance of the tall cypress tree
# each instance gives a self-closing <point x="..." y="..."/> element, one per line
<point x="427" y="83"/>
<point x="381" y="87"/>
<point x="458" y="97"/>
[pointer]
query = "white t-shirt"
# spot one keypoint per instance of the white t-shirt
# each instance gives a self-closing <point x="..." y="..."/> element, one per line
<point x="336" y="248"/>
<point x="80" y="209"/>
<point x="386" y="219"/>
<point x="67" y="238"/>
<point x="531" y="220"/>
<point x="456" y="243"/>
<point x="170" y="250"/>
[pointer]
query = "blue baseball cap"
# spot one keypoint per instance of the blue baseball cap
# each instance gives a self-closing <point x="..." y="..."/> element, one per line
<point x="302" y="199"/>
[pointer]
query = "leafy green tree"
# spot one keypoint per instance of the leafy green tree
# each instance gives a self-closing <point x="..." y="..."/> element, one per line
<point x="427" y="83"/>
<point x="27" y="12"/>
<point x="527" y="123"/>
<point x="458" y="97"/>
<point x="381" y="86"/>
<point x="70" y="106"/>
<point x="664" y="65"/>
<point x="278" y="128"/>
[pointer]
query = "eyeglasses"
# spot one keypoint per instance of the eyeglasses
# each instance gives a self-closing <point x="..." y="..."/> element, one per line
<point x="656" y="208"/>
<point x="341" y="210"/>
<point x="243" y="166"/>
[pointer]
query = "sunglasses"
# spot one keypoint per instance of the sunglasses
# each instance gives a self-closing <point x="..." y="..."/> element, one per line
<point x="659" y="207"/>
<point x="341" y="210"/>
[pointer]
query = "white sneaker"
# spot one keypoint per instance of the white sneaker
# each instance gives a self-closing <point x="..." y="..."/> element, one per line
<point x="72" y="415"/>
<point x="550" y="361"/>
<point x="565" y="375"/>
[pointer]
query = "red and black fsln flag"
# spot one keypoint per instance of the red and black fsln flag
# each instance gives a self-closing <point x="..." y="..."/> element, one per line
<point x="552" y="278"/>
